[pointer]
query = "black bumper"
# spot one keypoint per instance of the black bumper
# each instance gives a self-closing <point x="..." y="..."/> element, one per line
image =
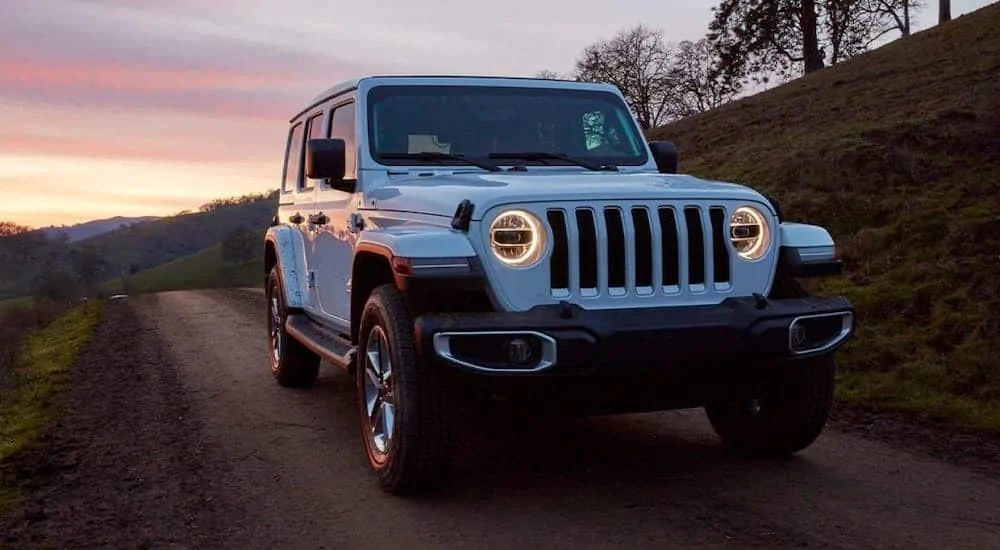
<point x="742" y="330"/>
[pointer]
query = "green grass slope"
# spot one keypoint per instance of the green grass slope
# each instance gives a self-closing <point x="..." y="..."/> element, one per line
<point x="157" y="242"/>
<point x="203" y="269"/>
<point x="897" y="152"/>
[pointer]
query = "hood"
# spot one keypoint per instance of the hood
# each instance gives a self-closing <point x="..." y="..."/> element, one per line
<point x="439" y="194"/>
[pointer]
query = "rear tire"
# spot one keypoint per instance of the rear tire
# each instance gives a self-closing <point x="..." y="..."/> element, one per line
<point x="403" y="405"/>
<point x="292" y="364"/>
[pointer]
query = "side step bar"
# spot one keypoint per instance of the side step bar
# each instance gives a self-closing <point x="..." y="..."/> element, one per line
<point x="328" y="345"/>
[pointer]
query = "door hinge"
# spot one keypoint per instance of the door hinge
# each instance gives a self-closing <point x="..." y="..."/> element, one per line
<point x="355" y="222"/>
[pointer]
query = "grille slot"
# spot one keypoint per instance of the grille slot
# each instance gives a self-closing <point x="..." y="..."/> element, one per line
<point x="587" y="230"/>
<point x="720" y="252"/>
<point x="643" y="251"/>
<point x="616" y="250"/>
<point x="639" y="250"/>
<point x="559" y="275"/>
<point x="670" y="247"/>
<point x="696" y="246"/>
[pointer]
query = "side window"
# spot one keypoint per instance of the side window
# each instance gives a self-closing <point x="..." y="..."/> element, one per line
<point x="342" y="127"/>
<point x="315" y="129"/>
<point x="293" y="159"/>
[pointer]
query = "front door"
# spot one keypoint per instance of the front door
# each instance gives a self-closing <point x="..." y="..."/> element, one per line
<point x="333" y="245"/>
<point x="306" y="205"/>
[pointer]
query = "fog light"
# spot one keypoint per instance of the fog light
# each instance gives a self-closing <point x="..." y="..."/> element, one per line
<point x="519" y="351"/>
<point x="797" y="335"/>
<point x="522" y="351"/>
<point x="813" y="333"/>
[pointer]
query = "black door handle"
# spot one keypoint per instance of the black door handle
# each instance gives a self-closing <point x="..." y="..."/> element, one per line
<point x="296" y="218"/>
<point x="318" y="219"/>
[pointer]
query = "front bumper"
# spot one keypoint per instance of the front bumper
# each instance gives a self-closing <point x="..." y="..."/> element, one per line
<point x="566" y="339"/>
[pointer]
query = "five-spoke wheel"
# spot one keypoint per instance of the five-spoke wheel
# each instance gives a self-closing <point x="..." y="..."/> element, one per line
<point x="379" y="400"/>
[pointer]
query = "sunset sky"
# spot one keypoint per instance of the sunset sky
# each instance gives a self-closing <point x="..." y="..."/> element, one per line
<point x="131" y="107"/>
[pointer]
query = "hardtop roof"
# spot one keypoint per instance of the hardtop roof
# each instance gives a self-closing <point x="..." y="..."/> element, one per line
<point x="354" y="83"/>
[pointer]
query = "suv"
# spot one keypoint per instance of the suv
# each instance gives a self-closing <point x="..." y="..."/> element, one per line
<point x="444" y="239"/>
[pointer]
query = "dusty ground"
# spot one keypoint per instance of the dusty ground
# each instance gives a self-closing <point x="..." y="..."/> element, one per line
<point x="178" y="437"/>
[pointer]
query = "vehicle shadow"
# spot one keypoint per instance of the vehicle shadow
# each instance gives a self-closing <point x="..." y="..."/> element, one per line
<point x="622" y="457"/>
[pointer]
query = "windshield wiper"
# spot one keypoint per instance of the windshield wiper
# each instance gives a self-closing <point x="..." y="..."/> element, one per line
<point x="543" y="155"/>
<point x="433" y="155"/>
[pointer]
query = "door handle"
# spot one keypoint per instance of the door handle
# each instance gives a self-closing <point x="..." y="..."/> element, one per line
<point x="296" y="218"/>
<point x="318" y="219"/>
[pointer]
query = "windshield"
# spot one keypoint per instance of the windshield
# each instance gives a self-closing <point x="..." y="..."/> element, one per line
<point x="480" y="121"/>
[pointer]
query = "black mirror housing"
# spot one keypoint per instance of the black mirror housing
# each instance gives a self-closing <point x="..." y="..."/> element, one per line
<point x="326" y="159"/>
<point x="665" y="156"/>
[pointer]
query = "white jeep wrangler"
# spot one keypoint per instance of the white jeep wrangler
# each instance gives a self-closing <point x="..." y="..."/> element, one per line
<point x="448" y="237"/>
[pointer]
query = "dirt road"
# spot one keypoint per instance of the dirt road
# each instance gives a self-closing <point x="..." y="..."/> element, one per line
<point x="179" y="438"/>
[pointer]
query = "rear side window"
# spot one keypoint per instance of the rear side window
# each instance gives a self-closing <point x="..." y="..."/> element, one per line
<point x="315" y="129"/>
<point x="293" y="159"/>
<point x="342" y="127"/>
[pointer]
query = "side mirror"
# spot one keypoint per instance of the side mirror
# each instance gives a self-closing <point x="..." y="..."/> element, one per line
<point x="326" y="159"/>
<point x="665" y="155"/>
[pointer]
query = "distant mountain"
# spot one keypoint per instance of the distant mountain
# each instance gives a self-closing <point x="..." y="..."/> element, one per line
<point x="86" y="230"/>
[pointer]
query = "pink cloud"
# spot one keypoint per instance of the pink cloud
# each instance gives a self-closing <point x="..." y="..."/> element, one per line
<point x="168" y="148"/>
<point x="104" y="75"/>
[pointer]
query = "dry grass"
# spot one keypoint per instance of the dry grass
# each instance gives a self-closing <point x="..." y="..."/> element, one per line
<point x="898" y="153"/>
<point x="38" y="345"/>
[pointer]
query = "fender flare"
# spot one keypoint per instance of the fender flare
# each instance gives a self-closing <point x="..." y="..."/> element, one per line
<point x="289" y="251"/>
<point x="807" y="251"/>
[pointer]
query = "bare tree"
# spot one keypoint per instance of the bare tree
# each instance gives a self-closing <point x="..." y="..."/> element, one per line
<point x="944" y="11"/>
<point x="697" y="87"/>
<point x="549" y="75"/>
<point x="896" y="14"/>
<point x="638" y="62"/>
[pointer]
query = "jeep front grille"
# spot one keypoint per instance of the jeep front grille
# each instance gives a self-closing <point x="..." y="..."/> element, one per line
<point x="662" y="250"/>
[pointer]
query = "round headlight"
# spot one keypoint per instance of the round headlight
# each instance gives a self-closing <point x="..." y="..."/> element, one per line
<point x="749" y="232"/>
<point x="517" y="238"/>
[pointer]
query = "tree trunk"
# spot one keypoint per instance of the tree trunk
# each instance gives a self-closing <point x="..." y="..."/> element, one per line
<point x="906" y="18"/>
<point x="944" y="11"/>
<point x="810" y="37"/>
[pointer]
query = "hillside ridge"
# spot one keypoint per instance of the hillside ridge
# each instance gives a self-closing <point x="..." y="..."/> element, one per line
<point x="93" y="228"/>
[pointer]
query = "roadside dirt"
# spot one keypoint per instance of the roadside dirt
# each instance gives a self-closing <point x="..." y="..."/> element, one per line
<point x="177" y="437"/>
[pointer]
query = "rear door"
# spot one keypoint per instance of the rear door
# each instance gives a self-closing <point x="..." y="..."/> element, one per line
<point x="297" y="203"/>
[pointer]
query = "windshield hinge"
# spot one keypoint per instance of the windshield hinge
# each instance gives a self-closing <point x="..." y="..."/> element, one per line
<point x="463" y="215"/>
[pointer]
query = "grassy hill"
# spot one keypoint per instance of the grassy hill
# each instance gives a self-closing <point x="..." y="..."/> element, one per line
<point x="898" y="153"/>
<point x="154" y="243"/>
<point x="203" y="269"/>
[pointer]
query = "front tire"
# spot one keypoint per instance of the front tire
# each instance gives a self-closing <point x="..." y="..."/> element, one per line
<point x="405" y="425"/>
<point x="785" y="418"/>
<point x="292" y="364"/>
<point x="790" y="413"/>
